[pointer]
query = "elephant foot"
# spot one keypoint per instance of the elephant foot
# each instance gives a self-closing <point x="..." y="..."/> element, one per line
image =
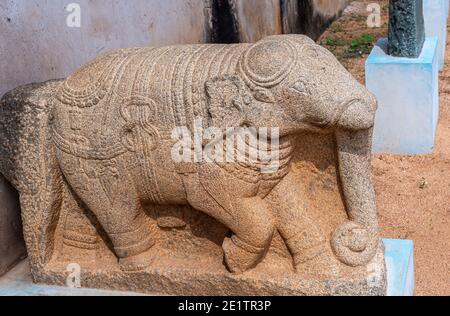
<point x="240" y="256"/>
<point x="317" y="262"/>
<point x="135" y="249"/>
<point x="137" y="263"/>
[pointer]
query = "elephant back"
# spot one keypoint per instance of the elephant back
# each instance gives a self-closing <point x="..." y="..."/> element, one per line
<point x="87" y="86"/>
<point x="156" y="90"/>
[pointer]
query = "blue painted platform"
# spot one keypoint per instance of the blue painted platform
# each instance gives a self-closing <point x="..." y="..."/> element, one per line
<point x="399" y="256"/>
<point x="435" y="14"/>
<point x="407" y="90"/>
<point x="399" y="263"/>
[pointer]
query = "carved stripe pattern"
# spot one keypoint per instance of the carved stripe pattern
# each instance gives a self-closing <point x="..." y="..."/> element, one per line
<point x="86" y="152"/>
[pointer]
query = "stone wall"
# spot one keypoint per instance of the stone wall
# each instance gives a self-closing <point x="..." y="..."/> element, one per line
<point x="329" y="8"/>
<point x="39" y="45"/>
<point x="234" y="21"/>
<point x="310" y="17"/>
<point x="11" y="240"/>
<point x="258" y="19"/>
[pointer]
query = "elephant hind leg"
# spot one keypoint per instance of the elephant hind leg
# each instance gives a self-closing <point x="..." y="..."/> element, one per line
<point x="131" y="232"/>
<point x="79" y="228"/>
<point x="111" y="196"/>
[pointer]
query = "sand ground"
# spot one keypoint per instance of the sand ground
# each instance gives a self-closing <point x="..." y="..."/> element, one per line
<point x="413" y="192"/>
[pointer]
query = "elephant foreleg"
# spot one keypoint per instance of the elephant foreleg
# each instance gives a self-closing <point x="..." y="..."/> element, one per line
<point x="250" y="220"/>
<point x="253" y="229"/>
<point x="303" y="236"/>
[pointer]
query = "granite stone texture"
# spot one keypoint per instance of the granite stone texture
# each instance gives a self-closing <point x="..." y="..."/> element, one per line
<point x="107" y="183"/>
<point x="406" y="28"/>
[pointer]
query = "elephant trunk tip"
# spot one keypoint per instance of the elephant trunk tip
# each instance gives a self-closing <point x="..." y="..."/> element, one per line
<point x="358" y="115"/>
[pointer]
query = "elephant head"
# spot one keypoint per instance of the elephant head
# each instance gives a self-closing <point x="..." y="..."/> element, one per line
<point x="292" y="83"/>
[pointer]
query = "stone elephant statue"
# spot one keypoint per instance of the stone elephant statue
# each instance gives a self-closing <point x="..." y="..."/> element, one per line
<point x="111" y="129"/>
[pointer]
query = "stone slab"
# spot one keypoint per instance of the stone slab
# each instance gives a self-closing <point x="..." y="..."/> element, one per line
<point x="406" y="28"/>
<point x="197" y="280"/>
<point x="181" y="282"/>
<point x="399" y="256"/>
<point x="18" y="282"/>
<point x="408" y="99"/>
<point x="12" y="245"/>
<point x="435" y="15"/>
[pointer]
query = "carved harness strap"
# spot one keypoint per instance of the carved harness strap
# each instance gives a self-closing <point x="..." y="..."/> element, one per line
<point x="86" y="152"/>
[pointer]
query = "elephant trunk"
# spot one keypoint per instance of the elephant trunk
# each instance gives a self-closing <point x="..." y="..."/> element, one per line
<point x="356" y="242"/>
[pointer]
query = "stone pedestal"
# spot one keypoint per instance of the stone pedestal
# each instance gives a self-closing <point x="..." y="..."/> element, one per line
<point x="399" y="259"/>
<point x="435" y="15"/>
<point x="193" y="278"/>
<point x="12" y="246"/>
<point x="407" y="90"/>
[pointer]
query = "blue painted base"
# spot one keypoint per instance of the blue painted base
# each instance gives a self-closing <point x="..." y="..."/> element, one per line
<point x="435" y="14"/>
<point x="399" y="265"/>
<point x="407" y="90"/>
<point x="399" y="256"/>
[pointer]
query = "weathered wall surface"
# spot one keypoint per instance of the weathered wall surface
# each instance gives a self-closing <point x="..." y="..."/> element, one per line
<point x="12" y="246"/>
<point x="250" y="20"/>
<point x="329" y="8"/>
<point x="36" y="44"/>
<point x="258" y="19"/>
<point x="238" y="21"/>
<point x="310" y="17"/>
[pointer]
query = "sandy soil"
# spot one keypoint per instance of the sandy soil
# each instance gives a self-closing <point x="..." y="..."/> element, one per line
<point x="413" y="192"/>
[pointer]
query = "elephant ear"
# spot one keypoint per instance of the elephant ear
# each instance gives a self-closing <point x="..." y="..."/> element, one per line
<point x="228" y="101"/>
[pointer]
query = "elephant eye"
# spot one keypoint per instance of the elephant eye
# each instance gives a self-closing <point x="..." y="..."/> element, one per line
<point x="300" y="87"/>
